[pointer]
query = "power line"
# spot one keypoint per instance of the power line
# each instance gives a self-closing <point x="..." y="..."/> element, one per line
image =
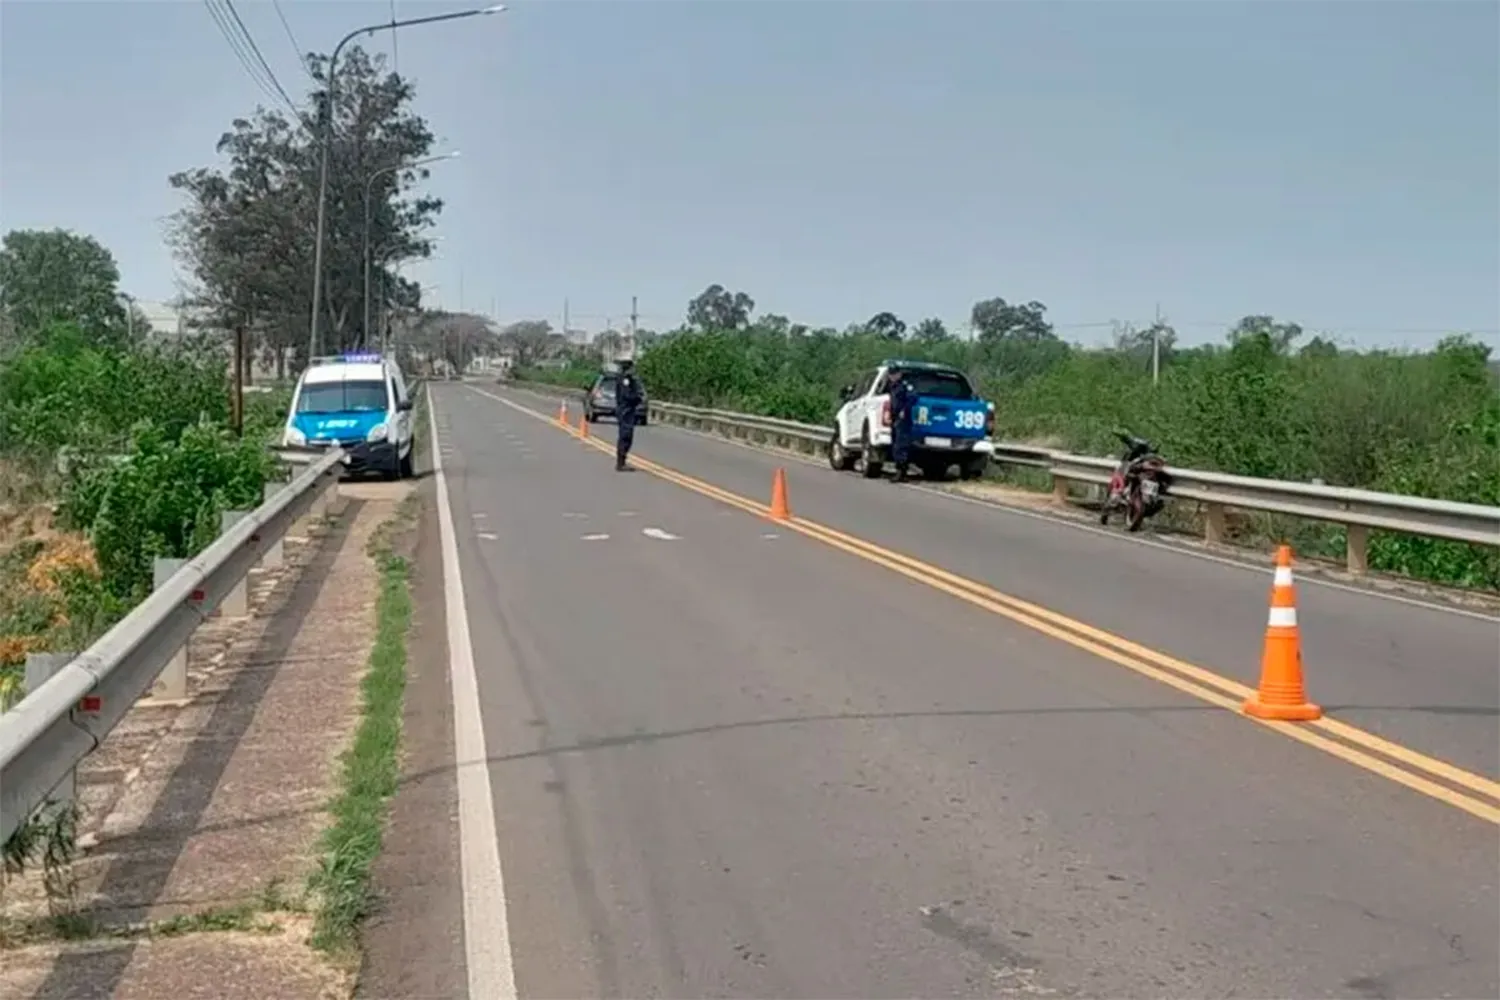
<point x="297" y="48"/>
<point x="248" y="52"/>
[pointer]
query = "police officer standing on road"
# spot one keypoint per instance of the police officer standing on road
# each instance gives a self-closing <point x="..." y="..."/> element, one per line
<point x="628" y="398"/>
<point x="901" y="431"/>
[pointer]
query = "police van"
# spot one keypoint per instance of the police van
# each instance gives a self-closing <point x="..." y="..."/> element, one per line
<point x="358" y="402"/>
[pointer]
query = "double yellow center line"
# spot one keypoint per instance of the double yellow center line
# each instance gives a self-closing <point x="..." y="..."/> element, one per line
<point x="1473" y="793"/>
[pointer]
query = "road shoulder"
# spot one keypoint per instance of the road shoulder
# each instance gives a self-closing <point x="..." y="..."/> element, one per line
<point x="413" y="942"/>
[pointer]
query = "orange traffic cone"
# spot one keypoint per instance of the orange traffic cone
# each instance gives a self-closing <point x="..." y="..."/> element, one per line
<point x="1282" y="694"/>
<point x="562" y="413"/>
<point x="583" y="426"/>
<point x="780" y="511"/>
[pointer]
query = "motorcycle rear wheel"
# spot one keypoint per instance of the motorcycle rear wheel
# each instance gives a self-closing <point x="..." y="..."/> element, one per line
<point x="1135" y="512"/>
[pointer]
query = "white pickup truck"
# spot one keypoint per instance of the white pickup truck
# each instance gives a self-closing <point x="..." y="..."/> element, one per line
<point x="951" y="425"/>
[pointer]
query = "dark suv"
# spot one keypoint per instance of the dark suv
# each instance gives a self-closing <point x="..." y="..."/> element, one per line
<point x="599" y="400"/>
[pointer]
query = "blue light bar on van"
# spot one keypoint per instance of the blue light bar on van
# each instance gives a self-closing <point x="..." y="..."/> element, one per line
<point x="359" y="357"/>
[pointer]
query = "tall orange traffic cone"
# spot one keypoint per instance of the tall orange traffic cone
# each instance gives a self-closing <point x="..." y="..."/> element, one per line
<point x="562" y="413"/>
<point x="780" y="511"/>
<point x="583" y="425"/>
<point x="1282" y="694"/>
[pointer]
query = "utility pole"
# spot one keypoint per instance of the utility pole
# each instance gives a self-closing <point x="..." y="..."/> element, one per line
<point x="237" y="399"/>
<point x="566" y="335"/>
<point x="634" y="316"/>
<point x="1156" y="348"/>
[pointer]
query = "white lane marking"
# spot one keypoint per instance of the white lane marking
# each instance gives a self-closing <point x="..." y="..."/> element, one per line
<point x="489" y="536"/>
<point x="658" y="533"/>
<point x="575" y="514"/>
<point x="628" y="513"/>
<point x="770" y="534"/>
<point x="479" y="515"/>
<point x="598" y="537"/>
<point x="487" y="956"/>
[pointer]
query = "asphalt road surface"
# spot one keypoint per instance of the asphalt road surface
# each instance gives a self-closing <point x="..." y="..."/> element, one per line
<point x="729" y="759"/>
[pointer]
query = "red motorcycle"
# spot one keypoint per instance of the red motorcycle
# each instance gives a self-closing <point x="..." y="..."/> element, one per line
<point x="1138" y="485"/>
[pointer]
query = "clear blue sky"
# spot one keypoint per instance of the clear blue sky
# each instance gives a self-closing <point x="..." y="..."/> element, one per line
<point x="1337" y="164"/>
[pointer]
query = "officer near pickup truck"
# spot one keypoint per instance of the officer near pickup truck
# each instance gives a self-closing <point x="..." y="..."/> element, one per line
<point x="628" y="398"/>
<point x="902" y="398"/>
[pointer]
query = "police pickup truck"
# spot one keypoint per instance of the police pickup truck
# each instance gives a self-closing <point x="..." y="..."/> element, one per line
<point x="951" y="425"/>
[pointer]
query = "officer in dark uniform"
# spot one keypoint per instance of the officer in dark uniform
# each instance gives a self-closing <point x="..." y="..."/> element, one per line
<point x="628" y="399"/>
<point x="902" y="398"/>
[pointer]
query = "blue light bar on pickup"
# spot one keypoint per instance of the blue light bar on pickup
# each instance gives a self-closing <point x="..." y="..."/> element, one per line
<point x="360" y="357"/>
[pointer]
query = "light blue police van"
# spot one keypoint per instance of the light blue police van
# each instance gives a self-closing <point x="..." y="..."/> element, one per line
<point x="358" y="402"/>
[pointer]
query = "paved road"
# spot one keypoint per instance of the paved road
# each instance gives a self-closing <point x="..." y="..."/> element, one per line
<point x="1428" y="678"/>
<point x="728" y="760"/>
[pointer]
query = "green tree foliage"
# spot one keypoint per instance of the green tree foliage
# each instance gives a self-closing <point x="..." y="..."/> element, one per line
<point x="1419" y="423"/>
<point x="57" y="276"/>
<point x="163" y="498"/>
<point x="248" y="230"/>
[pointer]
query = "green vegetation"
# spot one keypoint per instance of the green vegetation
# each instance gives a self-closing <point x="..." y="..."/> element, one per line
<point x="371" y="765"/>
<point x="115" y="448"/>
<point x="1261" y="404"/>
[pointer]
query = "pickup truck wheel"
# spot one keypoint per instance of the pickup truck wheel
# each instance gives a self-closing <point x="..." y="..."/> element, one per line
<point x="973" y="468"/>
<point x="935" y="472"/>
<point x="839" y="457"/>
<point x="870" y="465"/>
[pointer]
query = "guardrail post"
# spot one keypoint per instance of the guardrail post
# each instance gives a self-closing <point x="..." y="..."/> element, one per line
<point x="1059" y="490"/>
<point x="39" y="669"/>
<point x="274" y="554"/>
<point x="1357" y="557"/>
<point x="171" y="683"/>
<point x="1215" y="529"/>
<point x="236" y="603"/>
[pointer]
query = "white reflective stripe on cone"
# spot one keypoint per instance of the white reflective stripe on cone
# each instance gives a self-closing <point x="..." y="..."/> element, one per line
<point x="1283" y="618"/>
<point x="1283" y="576"/>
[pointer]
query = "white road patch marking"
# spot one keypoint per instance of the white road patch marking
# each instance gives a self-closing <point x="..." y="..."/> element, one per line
<point x="489" y="536"/>
<point x="479" y="515"/>
<point x="770" y="534"/>
<point x="628" y="513"/>
<point x="575" y="514"/>
<point x="487" y="955"/>
<point x="658" y="533"/>
<point x="599" y="537"/>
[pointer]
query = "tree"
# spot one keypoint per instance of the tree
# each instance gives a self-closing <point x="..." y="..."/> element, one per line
<point x="247" y="232"/>
<point x="885" y="325"/>
<point x="930" y="331"/>
<point x="717" y="309"/>
<point x="457" y="338"/>
<point x="58" y="276"/>
<point x="995" y="319"/>
<point x="527" y="340"/>
<point x="1277" y="337"/>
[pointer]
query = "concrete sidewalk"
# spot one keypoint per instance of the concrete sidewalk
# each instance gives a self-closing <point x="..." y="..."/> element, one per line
<point x="201" y="822"/>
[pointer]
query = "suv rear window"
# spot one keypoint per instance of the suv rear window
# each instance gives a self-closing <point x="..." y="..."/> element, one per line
<point x="945" y="385"/>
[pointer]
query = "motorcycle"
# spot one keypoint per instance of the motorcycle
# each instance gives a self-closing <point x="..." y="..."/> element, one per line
<point x="1139" y="484"/>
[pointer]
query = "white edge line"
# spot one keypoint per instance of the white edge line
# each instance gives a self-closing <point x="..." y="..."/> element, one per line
<point x="1307" y="579"/>
<point x="487" y="954"/>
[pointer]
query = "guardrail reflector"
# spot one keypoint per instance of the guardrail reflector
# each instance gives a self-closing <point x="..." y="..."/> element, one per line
<point x="91" y="704"/>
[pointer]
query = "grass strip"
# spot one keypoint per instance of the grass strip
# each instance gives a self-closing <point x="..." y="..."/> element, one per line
<point x="371" y="765"/>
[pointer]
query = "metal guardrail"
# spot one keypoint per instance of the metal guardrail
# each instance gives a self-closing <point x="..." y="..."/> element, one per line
<point x="1359" y="511"/>
<point x="52" y="729"/>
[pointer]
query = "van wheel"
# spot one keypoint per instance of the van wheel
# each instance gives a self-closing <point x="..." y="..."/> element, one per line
<point x="870" y="465"/>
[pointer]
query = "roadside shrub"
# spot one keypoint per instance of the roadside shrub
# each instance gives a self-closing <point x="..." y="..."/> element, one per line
<point x="162" y="499"/>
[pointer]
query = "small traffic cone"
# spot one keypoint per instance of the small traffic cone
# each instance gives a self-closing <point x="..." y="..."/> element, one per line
<point x="780" y="511"/>
<point x="562" y="413"/>
<point x="583" y="426"/>
<point x="1282" y="695"/>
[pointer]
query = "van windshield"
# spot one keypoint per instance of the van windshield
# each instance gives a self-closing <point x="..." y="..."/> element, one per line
<point x="342" y="397"/>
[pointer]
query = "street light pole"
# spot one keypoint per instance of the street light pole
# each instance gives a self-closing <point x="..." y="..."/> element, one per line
<point x="365" y="253"/>
<point x="327" y="143"/>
